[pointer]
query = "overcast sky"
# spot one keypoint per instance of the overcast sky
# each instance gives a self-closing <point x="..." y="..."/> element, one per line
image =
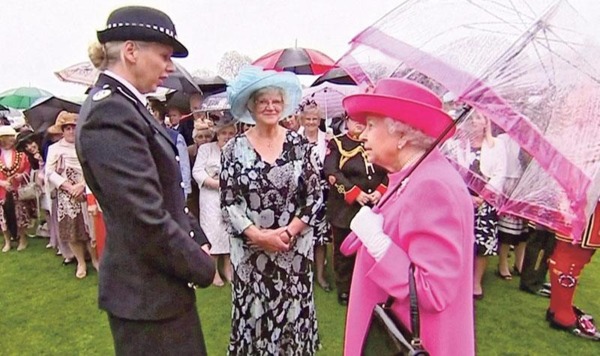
<point x="38" y="37"/>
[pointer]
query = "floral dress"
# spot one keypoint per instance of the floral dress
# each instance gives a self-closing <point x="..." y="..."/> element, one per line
<point x="486" y="217"/>
<point x="272" y="293"/>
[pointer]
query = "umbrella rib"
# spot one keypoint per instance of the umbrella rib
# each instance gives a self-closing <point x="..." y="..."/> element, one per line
<point x="558" y="55"/>
<point x="496" y="16"/>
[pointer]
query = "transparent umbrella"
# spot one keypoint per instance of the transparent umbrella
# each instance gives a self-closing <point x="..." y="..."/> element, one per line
<point x="328" y="97"/>
<point x="530" y="66"/>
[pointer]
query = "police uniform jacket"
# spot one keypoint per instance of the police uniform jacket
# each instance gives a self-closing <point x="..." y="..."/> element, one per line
<point x="348" y="173"/>
<point x="152" y="249"/>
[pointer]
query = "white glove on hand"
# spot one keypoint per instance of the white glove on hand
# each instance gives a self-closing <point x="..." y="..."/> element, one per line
<point x="368" y="226"/>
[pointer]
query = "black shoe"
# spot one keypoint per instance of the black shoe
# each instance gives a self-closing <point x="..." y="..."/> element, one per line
<point x="543" y="292"/>
<point x="583" y="326"/>
<point x="68" y="261"/>
<point x="343" y="298"/>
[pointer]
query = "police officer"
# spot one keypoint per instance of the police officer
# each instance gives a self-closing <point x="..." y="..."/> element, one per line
<point x="130" y="163"/>
<point x="354" y="182"/>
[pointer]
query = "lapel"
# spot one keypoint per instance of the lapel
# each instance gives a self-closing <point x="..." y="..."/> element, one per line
<point x="105" y="81"/>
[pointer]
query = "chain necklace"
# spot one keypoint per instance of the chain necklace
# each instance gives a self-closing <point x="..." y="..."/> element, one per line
<point x="11" y="171"/>
<point x="412" y="160"/>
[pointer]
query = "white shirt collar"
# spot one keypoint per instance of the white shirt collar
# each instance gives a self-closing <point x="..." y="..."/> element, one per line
<point x="141" y="97"/>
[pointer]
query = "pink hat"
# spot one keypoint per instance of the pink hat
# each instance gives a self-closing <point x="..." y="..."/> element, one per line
<point x="402" y="100"/>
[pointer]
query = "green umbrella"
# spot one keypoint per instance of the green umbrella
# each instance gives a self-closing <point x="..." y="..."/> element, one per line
<point x="22" y="98"/>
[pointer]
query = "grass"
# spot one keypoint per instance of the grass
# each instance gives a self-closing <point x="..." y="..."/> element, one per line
<point x="45" y="310"/>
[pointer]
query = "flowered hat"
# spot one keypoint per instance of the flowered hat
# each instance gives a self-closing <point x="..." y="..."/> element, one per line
<point x="253" y="78"/>
<point x="402" y="100"/>
<point x="63" y="118"/>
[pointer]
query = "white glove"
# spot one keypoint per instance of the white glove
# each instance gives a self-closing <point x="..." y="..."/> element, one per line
<point x="368" y="226"/>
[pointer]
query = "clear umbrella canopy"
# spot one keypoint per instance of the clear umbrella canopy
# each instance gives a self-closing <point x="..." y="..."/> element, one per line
<point x="530" y="67"/>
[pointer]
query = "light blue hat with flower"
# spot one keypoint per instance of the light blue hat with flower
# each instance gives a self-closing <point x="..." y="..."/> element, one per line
<point x="252" y="78"/>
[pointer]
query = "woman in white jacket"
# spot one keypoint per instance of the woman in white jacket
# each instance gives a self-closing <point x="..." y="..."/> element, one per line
<point x="206" y="170"/>
<point x="484" y="155"/>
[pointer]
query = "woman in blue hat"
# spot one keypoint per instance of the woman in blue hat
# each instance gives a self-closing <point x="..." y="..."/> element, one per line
<point x="270" y="194"/>
<point x="153" y="253"/>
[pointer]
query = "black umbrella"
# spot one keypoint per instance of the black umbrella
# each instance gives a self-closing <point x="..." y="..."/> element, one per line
<point x="211" y="85"/>
<point x="182" y="81"/>
<point x="42" y="113"/>
<point x="336" y="76"/>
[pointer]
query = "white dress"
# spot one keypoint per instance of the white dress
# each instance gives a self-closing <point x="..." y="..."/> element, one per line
<point x="208" y="164"/>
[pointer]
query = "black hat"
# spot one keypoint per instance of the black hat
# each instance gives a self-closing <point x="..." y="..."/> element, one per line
<point x="25" y="136"/>
<point x="140" y="23"/>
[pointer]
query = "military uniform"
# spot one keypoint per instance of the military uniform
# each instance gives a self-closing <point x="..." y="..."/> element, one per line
<point x="348" y="173"/>
<point x="565" y="265"/>
<point x="152" y="247"/>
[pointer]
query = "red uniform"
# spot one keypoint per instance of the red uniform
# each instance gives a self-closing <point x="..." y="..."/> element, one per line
<point x="565" y="265"/>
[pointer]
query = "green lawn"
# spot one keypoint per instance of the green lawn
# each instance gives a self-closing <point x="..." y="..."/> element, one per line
<point x="45" y="310"/>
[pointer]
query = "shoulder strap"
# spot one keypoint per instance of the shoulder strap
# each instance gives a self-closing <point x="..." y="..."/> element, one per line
<point x="415" y="322"/>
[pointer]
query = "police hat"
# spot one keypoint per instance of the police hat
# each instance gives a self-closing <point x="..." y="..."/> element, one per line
<point x="140" y="23"/>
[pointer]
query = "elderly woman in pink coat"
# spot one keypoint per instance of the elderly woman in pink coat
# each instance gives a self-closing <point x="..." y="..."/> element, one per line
<point x="427" y="222"/>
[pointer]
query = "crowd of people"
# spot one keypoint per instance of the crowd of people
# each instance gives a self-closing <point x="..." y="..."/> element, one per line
<point x="253" y="195"/>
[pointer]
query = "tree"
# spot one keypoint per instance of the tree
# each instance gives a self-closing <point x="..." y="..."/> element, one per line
<point x="203" y="73"/>
<point x="230" y="64"/>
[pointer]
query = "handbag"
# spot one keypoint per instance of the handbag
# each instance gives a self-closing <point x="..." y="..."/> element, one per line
<point x="28" y="190"/>
<point x="387" y="335"/>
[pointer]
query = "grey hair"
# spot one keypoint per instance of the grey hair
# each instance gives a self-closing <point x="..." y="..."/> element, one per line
<point x="414" y="137"/>
<point x="261" y="91"/>
<point x="312" y="108"/>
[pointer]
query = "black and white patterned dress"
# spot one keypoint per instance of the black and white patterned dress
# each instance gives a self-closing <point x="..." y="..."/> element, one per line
<point x="272" y="293"/>
<point x="486" y="217"/>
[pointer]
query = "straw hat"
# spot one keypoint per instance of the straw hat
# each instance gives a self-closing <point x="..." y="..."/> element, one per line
<point x="63" y="118"/>
<point x="404" y="101"/>
<point x="6" y="130"/>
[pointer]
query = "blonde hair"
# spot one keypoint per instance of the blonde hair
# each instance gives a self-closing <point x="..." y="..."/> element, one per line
<point x="103" y="56"/>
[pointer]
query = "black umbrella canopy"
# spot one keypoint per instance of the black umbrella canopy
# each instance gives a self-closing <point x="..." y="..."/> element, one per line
<point x="336" y="76"/>
<point x="182" y="81"/>
<point x="211" y="85"/>
<point x="42" y="114"/>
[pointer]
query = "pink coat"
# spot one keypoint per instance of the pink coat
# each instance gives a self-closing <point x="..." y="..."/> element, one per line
<point x="431" y="224"/>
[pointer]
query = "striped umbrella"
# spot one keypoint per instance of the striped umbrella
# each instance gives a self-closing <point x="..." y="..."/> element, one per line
<point x="297" y="60"/>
